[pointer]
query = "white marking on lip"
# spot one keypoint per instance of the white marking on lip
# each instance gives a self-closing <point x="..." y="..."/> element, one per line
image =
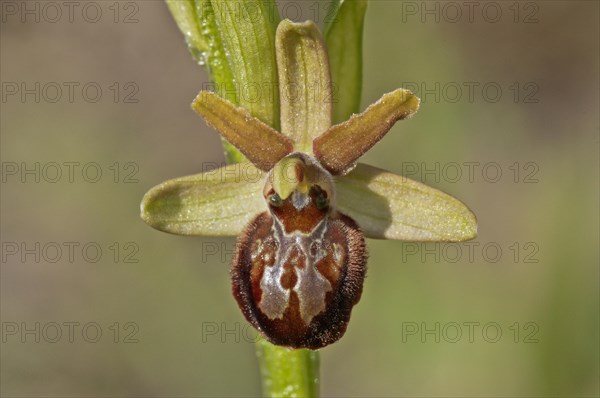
<point x="274" y="298"/>
<point x="311" y="286"/>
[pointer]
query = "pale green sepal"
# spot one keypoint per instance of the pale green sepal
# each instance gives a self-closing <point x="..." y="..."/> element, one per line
<point x="261" y="144"/>
<point x="390" y="206"/>
<point x="343" y="36"/>
<point x="304" y="82"/>
<point x="220" y="202"/>
<point x="339" y="147"/>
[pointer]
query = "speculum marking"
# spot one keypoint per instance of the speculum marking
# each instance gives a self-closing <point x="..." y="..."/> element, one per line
<point x="301" y="257"/>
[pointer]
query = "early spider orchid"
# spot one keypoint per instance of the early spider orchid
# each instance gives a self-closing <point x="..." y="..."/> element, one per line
<point x="301" y="205"/>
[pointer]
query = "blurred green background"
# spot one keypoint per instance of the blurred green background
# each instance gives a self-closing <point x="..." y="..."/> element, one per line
<point x="169" y="324"/>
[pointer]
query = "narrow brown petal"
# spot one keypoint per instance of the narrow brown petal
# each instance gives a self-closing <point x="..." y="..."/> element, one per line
<point x="261" y="144"/>
<point x="339" y="147"/>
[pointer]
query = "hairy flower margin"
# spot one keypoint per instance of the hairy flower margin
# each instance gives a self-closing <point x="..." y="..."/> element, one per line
<point x="385" y="205"/>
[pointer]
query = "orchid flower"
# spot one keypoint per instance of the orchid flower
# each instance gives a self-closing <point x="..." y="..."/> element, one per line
<point x="300" y="203"/>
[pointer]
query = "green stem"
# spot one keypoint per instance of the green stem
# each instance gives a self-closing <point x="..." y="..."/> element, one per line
<point x="286" y="372"/>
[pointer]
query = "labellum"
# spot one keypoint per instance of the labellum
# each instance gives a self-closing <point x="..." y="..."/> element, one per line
<point x="299" y="267"/>
<point x="301" y="205"/>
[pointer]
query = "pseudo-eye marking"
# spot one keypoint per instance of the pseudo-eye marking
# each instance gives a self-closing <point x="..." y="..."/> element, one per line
<point x="299" y="267"/>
